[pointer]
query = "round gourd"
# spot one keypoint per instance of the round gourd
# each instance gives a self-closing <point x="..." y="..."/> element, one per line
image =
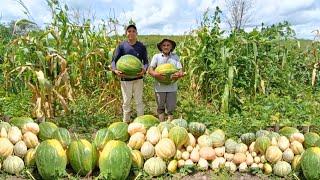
<point x="197" y="129"/>
<point x="288" y="155"/>
<point x="147" y="150"/>
<point x="136" y="127"/>
<point x="129" y="65"/>
<point x="172" y="166"/>
<point x="82" y="156"/>
<point x="13" y="165"/>
<point x="115" y="160"/>
<point x="136" y="140"/>
<point x="281" y="168"/>
<point x="261" y="144"/>
<point x="46" y="130"/>
<point x="137" y="159"/>
<point x="102" y="137"/>
<point x="273" y="154"/>
<point x="6" y="147"/>
<point x="283" y="143"/>
<point x="207" y="153"/>
<point x="20" y="149"/>
<point x="147" y="120"/>
<point x="310" y="139"/>
<point x="241" y="148"/>
<point x="51" y="159"/>
<point x="248" y="138"/>
<point x="296" y="163"/>
<point x="166" y="70"/>
<point x="31" y="127"/>
<point x="63" y="136"/>
<point x="288" y="131"/>
<point x="230" y="145"/>
<point x="153" y="135"/>
<point x="30" y="139"/>
<point x="180" y="122"/>
<point x="310" y="163"/>
<point x="155" y="166"/>
<point x="218" y="138"/>
<point x="120" y="131"/>
<point x="239" y="158"/>
<point x="165" y="149"/>
<point x="179" y="136"/>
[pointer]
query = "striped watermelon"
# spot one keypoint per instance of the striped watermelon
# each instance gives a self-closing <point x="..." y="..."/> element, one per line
<point x="63" y="136"/>
<point x="167" y="70"/>
<point x="46" y="130"/>
<point x="129" y="65"/>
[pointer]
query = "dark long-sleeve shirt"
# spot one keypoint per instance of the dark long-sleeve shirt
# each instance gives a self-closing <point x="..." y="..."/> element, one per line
<point x="138" y="50"/>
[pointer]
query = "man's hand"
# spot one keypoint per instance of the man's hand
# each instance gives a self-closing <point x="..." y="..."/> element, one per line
<point x="177" y="75"/>
<point x="119" y="73"/>
<point x="158" y="76"/>
<point x="141" y="73"/>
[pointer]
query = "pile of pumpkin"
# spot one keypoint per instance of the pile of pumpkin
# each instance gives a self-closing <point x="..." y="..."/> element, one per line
<point x="156" y="147"/>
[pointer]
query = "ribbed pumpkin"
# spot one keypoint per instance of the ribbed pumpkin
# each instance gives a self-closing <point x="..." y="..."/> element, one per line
<point x="6" y="147"/>
<point x="218" y="138"/>
<point x="165" y="124"/>
<point x="197" y="129"/>
<point x="5" y="125"/>
<point x="288" y="155"/>
<point x="192" y="140"/>
<point x="248" y="138"/>
<point x="281" y="168"/>
<point x="20" y="149"/>
<point x="136" y="127"/>
<point x="82" y="156"/>
<point x="310" y="163"/>
<point x="46" y="130"/>
<point x="179" y="136"/>
<point x="230" y="145"/>
<point x="51" y="159"/>
<point x="115" y="160"/>
<point x="137" y="159"/>
<point x="153" y="135"/>
<point x="13" y="165"/>
<point x="288" y="131"/>
<point x="30" y="158"/>
<point x="14" y="134"/>
<point x="310" y="139"/>
<point x="30" y="127"/>
<point x="241" y="148"/>
<point x="155" y="166"/>
<point x="20" y="121"/>
<point x="166" y="70"/>
<point x="283" y="143"/>
<point x="147" y="150"/>
<point x="180" y="122"/>
<point x="165" y="148"/>
<point x="205" y="141"/>
<point x="273" y="154"/>
<point x="30" y="139"/>
<point x="297" y="137"/>
<point x="147" y="120"/>
<point x="119" y="130"/>
<point x="261" y="133"/>
<point x="129" y="65"/>
<point x="296" y="163"/>
<point x="102" y="137"/>
<point x="136" y="140"/>
<point x="63" y="136"/>
<point x="261" y="144"/>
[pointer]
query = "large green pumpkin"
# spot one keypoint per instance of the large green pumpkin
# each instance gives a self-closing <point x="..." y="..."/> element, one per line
<point x="82" y="156"/>
<point x="288" y="131"/>
<point x="129" y="65"/>
<point x="147" y="120"/>
<point x="46" y="130"/>
<point x="119" y="130"/>
<point x="63" y="136"/>
<point x="115" y="160"/>
<point x="310" y="139"/>
<point x="179" y="136"/>
<point x="218" y="138"/>
<point x="51" y="159"/>
<point x="180" y="122"/>
<point x="166" y="70"/>
<point x="20" y="121"/>
<point x="248" y="138"/>
<point x="197" y="129"/>
<point x="102" y="137"/>
<point x="310" y="163"/>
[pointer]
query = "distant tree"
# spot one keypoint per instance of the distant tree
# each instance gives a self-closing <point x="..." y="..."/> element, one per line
<point x="238" y="13"/>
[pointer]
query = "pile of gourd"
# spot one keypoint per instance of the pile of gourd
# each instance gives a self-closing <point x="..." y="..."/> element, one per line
<point x="155" y="147"/>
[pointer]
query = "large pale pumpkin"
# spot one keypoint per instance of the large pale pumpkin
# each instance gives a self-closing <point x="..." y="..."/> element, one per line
<point x="136" y="127"/>
<point x="30" y="139"/>
<point x="147" y="120"/>
<point x="6" y="147"/>
<point x="155" y="166"/>
<point x="14" y="134"/>
<point x="115" y="160"/>
<point x="51" y="159"/>
<point x="136" y="140"/>
<point x="282" y="168"/>
<point x="82" y="156"/>
<point x="147" y="150"/>
<point x="310" y="163"/>
<point x="273" y="154"/>
<point x="165" y="148"/>
<point x="30" y="127"/>
<point x="13" y="165"/>
<point x="20" y="149"/>
<point x="153" y="135"/>
<point x="120" y="131"/>
<point x="179" y="136"/>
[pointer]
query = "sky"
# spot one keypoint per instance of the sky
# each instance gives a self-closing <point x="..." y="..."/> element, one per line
<point x="173" y="17"/>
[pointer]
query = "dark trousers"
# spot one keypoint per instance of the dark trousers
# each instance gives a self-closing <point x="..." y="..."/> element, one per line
<point x="166" y="101"/>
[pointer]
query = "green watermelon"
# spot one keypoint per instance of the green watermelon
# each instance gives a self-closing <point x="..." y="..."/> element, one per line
<point x="129" y="65"/>
<point x="115" y="160"/>
<point x="262" y="143"/>
<point x="102" y="137"/>
<point x="46" y="130"/>
<point x="147" y="120"/>
<point x="167" y="70"/>
<point x="82" y="156"/>
<point x="179" y="136"/>
<point x="310" y="163"/>
<point x="20" y="121"/>
<point x="120" y="131"/>
<point x="310" y="139"/>
<point x="51" y="159"/>
<point x="63" y="136"/>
